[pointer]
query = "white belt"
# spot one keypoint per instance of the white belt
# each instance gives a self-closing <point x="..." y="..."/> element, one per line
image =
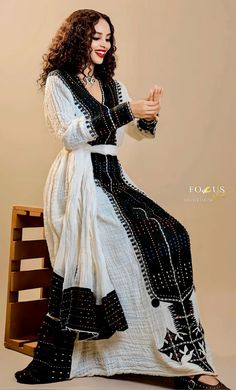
<point x="102" y="148"/>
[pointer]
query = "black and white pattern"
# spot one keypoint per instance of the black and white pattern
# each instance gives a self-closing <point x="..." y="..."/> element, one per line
<point x="148" y="258"/>
<point x="77" y="309"/>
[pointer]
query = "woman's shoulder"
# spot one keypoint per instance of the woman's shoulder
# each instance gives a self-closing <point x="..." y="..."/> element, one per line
<point x="54" y="72"/>
<point x="122" y="89"/>
<point x="121" y="86"/>
<point x="55" y="83"/>
<point x="54" y="76"/>
<point x="118" y="82"/>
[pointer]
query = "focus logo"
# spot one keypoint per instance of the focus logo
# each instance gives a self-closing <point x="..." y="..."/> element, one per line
<point x="206" y="189"/>
<point x="206" y="193"/>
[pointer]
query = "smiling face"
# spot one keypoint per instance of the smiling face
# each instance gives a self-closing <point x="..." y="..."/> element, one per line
<point x="100" y="41"/>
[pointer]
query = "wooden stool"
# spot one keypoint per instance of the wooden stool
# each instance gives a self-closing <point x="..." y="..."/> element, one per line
<point x="23" y="318"/>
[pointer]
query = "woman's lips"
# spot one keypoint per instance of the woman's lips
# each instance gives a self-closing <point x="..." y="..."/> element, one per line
<point x="100" y="54"/>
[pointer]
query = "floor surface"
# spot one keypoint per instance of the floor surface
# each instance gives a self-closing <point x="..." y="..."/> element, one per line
<point x="12" y="361"/>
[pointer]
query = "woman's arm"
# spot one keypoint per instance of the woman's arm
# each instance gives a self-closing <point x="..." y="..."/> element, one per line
<point x="63" y="121"/>
<point x="140" y="126"/>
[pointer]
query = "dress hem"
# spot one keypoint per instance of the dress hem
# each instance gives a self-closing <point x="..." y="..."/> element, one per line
<point x="141" y="372"/>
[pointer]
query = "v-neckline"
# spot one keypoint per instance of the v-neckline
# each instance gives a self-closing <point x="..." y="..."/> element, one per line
<point x="89" y="94"/>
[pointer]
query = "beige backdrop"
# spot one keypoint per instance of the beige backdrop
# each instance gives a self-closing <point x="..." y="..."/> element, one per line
<point x="188" y="47"/>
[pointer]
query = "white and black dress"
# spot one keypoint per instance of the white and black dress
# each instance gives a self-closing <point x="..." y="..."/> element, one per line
<point x="149" y="323"/>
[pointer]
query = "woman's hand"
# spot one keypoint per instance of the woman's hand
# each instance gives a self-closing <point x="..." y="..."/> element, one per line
<point x="154" y="95"/>
<point x="144" y="109"/>
<point x="149" y="107"/>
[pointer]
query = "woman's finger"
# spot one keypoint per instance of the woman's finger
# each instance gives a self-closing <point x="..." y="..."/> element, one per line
<point x="152" y="92"/>
<point x="159" y="92"/>
<point x="152" y="104"/>
<point x="150" y="97"/>
<point x="156" y="94"/>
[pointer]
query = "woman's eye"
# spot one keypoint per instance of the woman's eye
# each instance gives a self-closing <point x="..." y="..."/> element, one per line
<point x="98" y="38"/>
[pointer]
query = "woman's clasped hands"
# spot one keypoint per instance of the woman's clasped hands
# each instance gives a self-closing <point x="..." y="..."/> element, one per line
<point x="149" y="107"/>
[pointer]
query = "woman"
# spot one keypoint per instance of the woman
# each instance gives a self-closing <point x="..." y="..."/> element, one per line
<point x="122" y="298"/>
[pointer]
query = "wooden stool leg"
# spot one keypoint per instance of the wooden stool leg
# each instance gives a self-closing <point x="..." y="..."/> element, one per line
<point x="23" y="318"/>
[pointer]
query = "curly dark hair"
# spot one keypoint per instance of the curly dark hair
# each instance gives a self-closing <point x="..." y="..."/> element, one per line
<point x="71" y="46"/>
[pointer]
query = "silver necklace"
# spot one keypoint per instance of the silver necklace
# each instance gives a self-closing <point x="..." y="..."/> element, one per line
<point x="92" y="80"/>
<point x="88" y="79"/>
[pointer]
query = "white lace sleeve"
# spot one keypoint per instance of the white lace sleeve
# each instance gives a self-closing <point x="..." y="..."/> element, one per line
<point x="61" y="117"/>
